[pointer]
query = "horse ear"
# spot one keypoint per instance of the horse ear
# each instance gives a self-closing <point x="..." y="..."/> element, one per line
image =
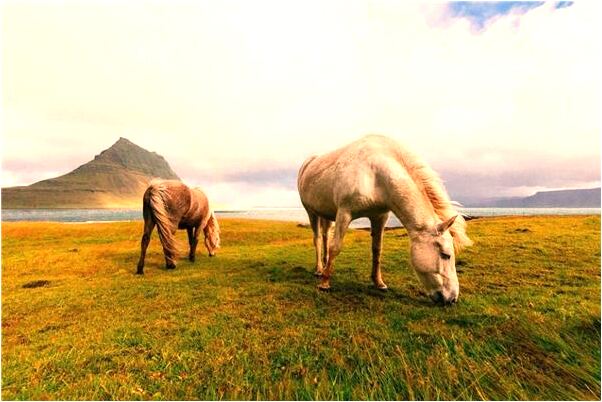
<point x="443" y="226"/>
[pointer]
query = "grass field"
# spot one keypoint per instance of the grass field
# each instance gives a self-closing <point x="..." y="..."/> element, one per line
<point x="250" y="324"/>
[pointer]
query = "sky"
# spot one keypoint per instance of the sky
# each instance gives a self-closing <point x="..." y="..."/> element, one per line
<point x="502" y="99"/>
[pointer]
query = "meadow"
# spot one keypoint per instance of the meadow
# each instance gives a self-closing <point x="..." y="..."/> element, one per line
<point x="250" y="324"/>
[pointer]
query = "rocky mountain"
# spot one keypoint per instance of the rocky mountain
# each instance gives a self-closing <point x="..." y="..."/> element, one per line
<point x="116" y="178"/>
<point x="583" y="198"/>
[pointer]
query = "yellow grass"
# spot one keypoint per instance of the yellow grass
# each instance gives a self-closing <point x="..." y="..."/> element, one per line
<point x="78" y="324"/>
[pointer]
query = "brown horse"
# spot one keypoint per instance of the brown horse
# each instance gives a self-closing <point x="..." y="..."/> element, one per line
<point x="172" y="205"/>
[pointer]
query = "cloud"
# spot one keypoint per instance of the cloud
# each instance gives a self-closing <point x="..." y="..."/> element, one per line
<point x="480" y="13"/>
<point x="532" y="176"/>
<point x="239" y="91"/>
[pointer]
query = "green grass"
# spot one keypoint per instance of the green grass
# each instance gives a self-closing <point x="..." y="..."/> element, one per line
<point x="249" y="324"/>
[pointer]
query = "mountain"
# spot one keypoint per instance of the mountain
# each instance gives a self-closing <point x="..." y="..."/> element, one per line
<point x="585" y="198"/>
<point x="116" y="178"/>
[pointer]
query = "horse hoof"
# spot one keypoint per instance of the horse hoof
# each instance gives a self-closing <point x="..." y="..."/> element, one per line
<point x="324" y="288"/>
<point x="382" y="287"/>
<point x="139" y="273"/>
<point x="318" y="273"/>
<point x="170" y="266"/>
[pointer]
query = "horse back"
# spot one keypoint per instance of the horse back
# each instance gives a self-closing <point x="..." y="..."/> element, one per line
<point x="175" y="196"/>
<point x="198" y="211"/>
<point x="358" y="176"/>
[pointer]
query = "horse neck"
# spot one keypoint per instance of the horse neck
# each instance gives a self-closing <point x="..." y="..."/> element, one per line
<point x="412" y="207"/>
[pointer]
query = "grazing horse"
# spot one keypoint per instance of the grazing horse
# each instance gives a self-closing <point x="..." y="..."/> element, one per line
<point x="369" y="178"/>
<point x="172" y="205"/>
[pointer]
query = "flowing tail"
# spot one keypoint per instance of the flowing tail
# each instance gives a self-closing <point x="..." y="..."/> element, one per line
<point x="158" y="196"/>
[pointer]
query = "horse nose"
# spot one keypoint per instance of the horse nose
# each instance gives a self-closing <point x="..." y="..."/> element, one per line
<point x="437" y="297"/>
<point x="453" y="297"/>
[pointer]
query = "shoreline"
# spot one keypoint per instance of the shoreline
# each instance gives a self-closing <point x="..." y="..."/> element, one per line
<point x="297" y="222"/>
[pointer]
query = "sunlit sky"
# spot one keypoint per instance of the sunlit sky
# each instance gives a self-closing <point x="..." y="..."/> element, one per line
<point x="501" y="99"/>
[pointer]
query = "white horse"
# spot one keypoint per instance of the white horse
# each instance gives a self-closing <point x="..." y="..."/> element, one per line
<point x="369" y="178"/>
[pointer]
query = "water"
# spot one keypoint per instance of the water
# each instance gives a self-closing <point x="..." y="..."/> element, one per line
<point x="71" y="215"/>
<point x="279" y="214"/>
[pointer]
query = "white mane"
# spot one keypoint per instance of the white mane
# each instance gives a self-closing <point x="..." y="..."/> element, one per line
<point x="430" y="184"/>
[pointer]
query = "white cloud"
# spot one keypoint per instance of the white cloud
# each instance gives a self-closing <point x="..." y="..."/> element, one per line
<point x="235" y="85"/>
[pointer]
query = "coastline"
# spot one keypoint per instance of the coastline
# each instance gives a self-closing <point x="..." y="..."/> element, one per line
<point x="289" y="214"/>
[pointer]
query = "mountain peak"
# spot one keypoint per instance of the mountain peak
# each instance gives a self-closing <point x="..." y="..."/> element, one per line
<point x="123" y="140"/>
<point x="121" y="145"/>
<point x="115" y="178"/>
<point x="133" y="157"/>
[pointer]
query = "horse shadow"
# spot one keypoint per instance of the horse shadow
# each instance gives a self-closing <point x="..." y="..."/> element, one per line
<point x="154" y="260"/>
<point x="344" y="290"/>
<point x="349" y="290"/>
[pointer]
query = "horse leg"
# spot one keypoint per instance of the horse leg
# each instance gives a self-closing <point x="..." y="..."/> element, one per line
<point x="149" y="225"/>
<point x="325" y="226"/>
<point x="193" y="240"/>
<point x="378" y="227"/>
<point x="314" y="221"/>
<point x="190" y="242"/>
<point x="342" y="222"/>
<point x="169" y="261"/>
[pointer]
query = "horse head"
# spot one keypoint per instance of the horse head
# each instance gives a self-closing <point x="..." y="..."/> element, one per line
<point x="211" y="230"/>
<point x="433" y="258"/>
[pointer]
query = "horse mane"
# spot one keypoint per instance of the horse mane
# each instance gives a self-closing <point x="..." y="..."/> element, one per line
<point x="431" y="185"/>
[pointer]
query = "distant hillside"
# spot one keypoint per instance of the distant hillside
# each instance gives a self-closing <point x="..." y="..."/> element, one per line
<point x="587" y="198"/>
<point x="116" y="178"/>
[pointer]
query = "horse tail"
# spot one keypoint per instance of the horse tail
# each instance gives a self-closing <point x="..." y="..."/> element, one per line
<point x="158" y="195"/>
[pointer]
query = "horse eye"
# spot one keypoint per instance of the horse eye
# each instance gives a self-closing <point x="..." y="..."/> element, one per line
<point x="445" y="256"/>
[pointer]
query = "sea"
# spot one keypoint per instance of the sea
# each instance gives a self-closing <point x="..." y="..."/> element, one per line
<point x="278" y="214"/>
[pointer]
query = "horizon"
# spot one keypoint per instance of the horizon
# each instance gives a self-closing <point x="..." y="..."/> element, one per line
<point x="231" y="208"/>
<point x="497" y="97"/>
